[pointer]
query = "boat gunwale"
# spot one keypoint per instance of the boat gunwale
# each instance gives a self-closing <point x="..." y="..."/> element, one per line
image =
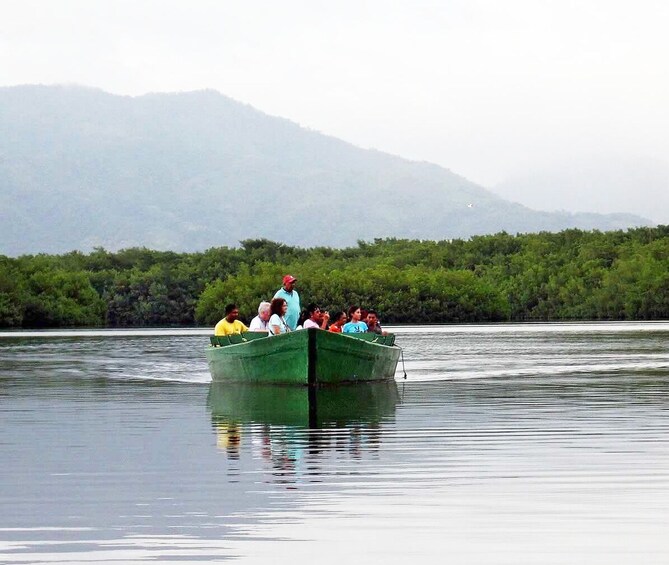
<point x="312" y="332"/>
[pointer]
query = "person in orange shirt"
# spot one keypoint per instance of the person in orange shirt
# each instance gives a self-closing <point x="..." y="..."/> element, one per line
<point x="339" y="320"/>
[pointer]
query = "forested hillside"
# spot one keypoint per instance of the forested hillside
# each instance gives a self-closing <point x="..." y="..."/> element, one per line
<point x="81" y="168"/>
<point x="571" y="275"/>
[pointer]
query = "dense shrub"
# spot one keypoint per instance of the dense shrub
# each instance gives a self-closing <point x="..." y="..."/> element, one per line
<point x="571" y="275"/>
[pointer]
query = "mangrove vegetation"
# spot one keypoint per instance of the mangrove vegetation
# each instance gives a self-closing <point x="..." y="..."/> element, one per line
<point x="570" y="275"/>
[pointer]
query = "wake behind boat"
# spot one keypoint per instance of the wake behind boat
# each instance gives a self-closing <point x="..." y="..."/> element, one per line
<point x="304" y="357"/>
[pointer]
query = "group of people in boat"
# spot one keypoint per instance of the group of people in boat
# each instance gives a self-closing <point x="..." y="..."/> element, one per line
<point x="283" y="314"/>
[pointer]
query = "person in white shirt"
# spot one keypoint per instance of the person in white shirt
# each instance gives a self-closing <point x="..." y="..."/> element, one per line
<point x="259" y="323"/>
<point x="277" y="321"/>
<point x="317" y="318"/>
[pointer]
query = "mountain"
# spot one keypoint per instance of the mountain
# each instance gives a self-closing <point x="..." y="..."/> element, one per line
<point x="604" y="182"/>
<point x="81" y="168"/>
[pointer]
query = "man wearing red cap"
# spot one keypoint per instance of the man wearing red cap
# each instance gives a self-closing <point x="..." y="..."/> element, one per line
<point x="289" y="294"/>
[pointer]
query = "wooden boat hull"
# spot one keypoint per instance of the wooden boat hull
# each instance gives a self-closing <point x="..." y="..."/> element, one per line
<point x="305" y="357"/>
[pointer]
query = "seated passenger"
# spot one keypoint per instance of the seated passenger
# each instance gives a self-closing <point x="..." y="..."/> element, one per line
<point x="355" y="326"/>
<point x="230" y="324"/>
<point x="339" y="320"/>
<point x="304" y="315"/>
<point x="259" y="323"/>
<point x="373" y="325"/>
<point x="316" y="319"/>
<point x="277" y="321"/>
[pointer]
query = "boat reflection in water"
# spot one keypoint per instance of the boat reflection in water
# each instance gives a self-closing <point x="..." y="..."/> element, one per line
<point x="293" y="428"/>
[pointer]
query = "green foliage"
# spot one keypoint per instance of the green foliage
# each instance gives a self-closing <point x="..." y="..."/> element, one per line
<point x="163" y="295"/>
<point x="246" y="289"/>
<point x="12" y="294"/>
<point x="58" y="298"/>
<point x="570" y="275"/>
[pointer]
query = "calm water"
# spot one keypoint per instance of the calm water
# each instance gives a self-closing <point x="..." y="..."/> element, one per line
<point x="505" y="444"/>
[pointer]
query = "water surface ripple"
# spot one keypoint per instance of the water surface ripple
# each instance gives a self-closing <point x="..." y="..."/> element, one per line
<point x="505" y="444"/>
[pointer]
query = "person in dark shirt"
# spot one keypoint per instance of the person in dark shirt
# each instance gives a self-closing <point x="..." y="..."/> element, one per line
<point x="373" y="323"/>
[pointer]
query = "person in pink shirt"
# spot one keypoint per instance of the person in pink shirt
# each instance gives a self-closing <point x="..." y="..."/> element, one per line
<point x="316" y="319"/>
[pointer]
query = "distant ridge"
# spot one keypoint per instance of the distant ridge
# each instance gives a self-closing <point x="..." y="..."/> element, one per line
<point x="81" y="168"/>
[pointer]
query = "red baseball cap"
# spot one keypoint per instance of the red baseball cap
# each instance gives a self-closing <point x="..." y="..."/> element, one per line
<point x="289" y="279"/>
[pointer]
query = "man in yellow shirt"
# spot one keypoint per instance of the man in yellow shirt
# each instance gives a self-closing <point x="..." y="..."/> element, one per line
<point x="230" y="324"/>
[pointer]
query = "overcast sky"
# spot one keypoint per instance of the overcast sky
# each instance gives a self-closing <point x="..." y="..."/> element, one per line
<point x="522" y="96"/>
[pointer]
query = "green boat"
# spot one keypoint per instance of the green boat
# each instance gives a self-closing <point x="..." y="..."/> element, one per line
<point x="305" y="357"/>
<point x="313" y="407"/>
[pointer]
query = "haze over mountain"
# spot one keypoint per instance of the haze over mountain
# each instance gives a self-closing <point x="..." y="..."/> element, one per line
<point x="604" y="182"/>
<point x="81" y="168"/>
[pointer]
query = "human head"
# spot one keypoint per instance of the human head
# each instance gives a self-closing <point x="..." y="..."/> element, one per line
<point x="372" y="318"/>
<point x="289" y="282"/>
<point x="354" y="313"/>
<point x="231" y="312"/>
<point x="314" y="312"/>
<point x="264" y="311"/>
<point x="278" y="306"/>
<point x="339" y="318"/>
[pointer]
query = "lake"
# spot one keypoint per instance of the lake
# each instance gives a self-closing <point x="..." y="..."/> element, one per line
<point x="505" y="444"/>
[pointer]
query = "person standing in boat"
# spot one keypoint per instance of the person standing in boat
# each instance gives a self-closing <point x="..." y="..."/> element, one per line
<point x="355" y="326"/>
<point x="292" y="298"/>
<point x="316" y="318"/>
<point x="259" y="323"/>
<point x="230" y="324"/>
<point x="277" y="322"/>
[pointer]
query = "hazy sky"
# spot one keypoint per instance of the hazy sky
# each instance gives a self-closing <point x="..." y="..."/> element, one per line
<point x="510" y="94"/>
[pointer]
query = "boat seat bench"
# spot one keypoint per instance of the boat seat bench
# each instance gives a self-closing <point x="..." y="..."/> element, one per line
<point x="223" y="340"/>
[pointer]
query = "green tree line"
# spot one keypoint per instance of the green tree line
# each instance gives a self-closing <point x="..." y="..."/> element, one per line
<point x="570" y="275"/>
